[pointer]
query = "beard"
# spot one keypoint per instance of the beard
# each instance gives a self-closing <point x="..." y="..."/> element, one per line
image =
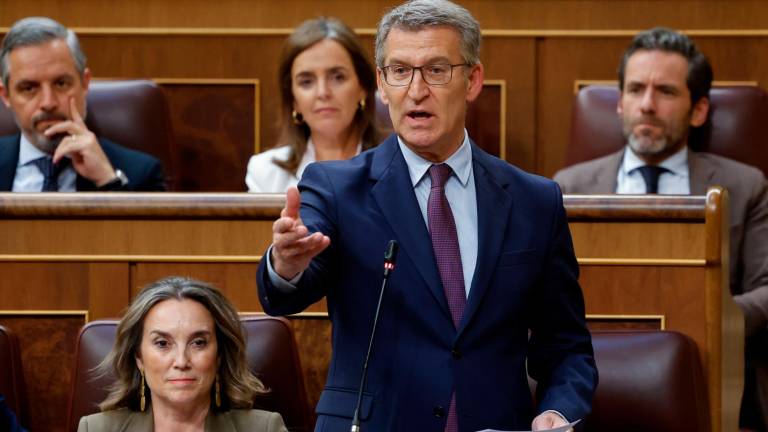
<point x="645" y="143"/>
<point x="46" y="144"/>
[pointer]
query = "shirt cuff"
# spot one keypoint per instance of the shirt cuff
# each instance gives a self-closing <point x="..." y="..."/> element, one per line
<point x="286" y="286"/>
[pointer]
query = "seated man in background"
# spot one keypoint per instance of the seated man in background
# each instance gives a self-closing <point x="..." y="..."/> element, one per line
<point x="45" y="83"/>
<point x="664" y="81"/>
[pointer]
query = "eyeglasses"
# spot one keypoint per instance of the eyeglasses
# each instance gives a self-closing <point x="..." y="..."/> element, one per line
<point x="433" y="74"/>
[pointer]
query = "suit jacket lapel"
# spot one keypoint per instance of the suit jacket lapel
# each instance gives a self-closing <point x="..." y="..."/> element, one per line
<point x="606" y="175"/>
<point x="493" y="208"/>
<point x="393" y="192"/>
<point x="700" y="173"/>
<point x="9" y="158"/>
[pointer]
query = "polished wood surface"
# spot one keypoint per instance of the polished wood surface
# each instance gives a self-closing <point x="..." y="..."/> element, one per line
<point x="646" y="262"/>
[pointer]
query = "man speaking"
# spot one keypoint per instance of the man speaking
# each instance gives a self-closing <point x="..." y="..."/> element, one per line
<point x="486" y="279"/>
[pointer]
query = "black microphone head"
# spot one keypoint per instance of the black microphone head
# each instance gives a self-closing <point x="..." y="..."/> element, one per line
<point x="390" y="255"/>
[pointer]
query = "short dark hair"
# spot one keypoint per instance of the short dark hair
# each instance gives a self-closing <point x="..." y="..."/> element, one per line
<point x="660" y="38"/>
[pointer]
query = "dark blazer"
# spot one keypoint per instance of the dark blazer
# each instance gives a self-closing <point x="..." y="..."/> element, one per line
<point x="748" y="217"/>
<point x="144" y="172"/>
<point x="239" y="420"/>
<point x="526" y="278"/>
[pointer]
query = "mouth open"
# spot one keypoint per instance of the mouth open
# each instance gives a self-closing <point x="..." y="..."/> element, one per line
<point x="419" y="115"/>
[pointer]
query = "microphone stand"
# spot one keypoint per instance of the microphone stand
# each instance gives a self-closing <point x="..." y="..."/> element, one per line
<point x="389" y="265"/>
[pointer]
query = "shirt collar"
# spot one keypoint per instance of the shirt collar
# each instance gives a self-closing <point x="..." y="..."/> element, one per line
<point x="28" y="152"/>
<point x="310" y="156"/>
<point x="460" y="162"/>
<point x="677" y="163"/>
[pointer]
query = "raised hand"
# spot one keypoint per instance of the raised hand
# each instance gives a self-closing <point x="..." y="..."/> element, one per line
<point x="82" y="148"/>
<point x="292" y="248"/>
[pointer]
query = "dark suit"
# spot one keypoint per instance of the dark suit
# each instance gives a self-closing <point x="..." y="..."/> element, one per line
<point x="748" y="208"/>
<point x="144" y="172"/>
<point x="526" y="278"/>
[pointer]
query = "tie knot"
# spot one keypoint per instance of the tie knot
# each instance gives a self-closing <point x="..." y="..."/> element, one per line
<point x="439" y="174"/>
<point x="651" y="175"/>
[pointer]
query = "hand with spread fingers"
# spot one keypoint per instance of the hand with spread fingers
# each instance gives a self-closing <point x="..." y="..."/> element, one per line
<point x="82" y="148"/>
<point x="292" y="248"/>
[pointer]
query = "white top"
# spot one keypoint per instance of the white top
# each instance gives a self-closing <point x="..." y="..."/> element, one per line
<point x="28" y="177"/>
<point x="674" y="182"/>
<point x="266" y="177"/>
<point x="263" y="176"/>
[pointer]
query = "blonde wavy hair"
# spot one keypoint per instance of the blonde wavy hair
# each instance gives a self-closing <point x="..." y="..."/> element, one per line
<point x="238" y="385"/>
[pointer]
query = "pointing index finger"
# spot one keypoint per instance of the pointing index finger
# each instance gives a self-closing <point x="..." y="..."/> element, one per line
<point x="74" y="113"/>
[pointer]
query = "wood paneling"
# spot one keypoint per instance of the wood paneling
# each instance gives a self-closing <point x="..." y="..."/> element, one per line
<point x="492" y="14"/>
<point x="215" y="125"/>
<point x="47" y="357"/>
<point x="99" y="249"/>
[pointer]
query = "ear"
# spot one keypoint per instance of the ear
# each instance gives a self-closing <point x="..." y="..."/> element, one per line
<point x="380" y="85"/>
<point x="475" y="82"/>
<point x="619" y="108"/>
<point x="139" y="363"/>
<point x="699" y="112"/>
<point x="4" y="95"/>
<point x="86" y="79"/>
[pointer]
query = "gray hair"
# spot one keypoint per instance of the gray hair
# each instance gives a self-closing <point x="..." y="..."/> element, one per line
<point x="37" y="31"/>
<point x="417" y="14"/>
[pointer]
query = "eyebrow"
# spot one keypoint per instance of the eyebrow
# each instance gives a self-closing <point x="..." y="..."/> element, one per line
<point x="168" y="335"/>
<point x="433" y="60"/>
<point x="330" y="69"/>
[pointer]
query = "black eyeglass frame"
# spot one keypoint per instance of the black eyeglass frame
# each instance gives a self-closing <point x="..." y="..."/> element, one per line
<point x="421" y="71"/>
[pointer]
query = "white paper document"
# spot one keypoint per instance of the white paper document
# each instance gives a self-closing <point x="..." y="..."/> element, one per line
<point x="557" y="429"/>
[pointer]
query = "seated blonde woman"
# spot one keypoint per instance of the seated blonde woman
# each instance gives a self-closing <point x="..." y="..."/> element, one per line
<point x="179" y="359"/>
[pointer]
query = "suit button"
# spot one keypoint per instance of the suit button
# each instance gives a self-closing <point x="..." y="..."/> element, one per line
<point x="438" y="411"/>
<point x="456" y="353"/>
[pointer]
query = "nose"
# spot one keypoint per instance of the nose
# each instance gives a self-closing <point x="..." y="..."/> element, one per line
<point x="323" y="89"/>
<point x="181" y="359"/>
<point x="648" y="102"/>
<point x="48" y="101"/>
<point x="418" y="89"/>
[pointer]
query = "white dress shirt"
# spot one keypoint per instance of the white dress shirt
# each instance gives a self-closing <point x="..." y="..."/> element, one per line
<point x="28" y="177"/>
<point x="264" y="176"/>
<point x="676" y="181"/>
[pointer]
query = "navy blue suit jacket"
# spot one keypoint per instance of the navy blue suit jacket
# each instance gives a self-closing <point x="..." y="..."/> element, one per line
<point x="526" y="278"/>
<point x="144" y="172"/>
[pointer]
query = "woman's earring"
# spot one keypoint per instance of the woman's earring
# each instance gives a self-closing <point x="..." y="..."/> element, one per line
<point x="218" y="392"/>
<point x="362" y="104"/>
<point x="297" y="117"/>
<point x="142" y="400"/>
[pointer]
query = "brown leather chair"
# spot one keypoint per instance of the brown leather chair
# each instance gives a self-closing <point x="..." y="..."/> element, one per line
<point x="736" y="128"/>
<point x="131" y="113"/>
<point x="271" y="353"/>
<point x="649" y="381"/>
<point x="11" y="375"/>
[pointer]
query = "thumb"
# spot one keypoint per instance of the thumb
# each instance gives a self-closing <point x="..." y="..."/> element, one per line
<point x="292" y="203"/>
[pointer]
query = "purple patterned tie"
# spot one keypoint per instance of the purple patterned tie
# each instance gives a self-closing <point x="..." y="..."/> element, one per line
<point x="445" y="242"/>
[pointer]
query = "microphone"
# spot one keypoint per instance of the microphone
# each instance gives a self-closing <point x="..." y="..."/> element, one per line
<point x="390" y="256"/>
